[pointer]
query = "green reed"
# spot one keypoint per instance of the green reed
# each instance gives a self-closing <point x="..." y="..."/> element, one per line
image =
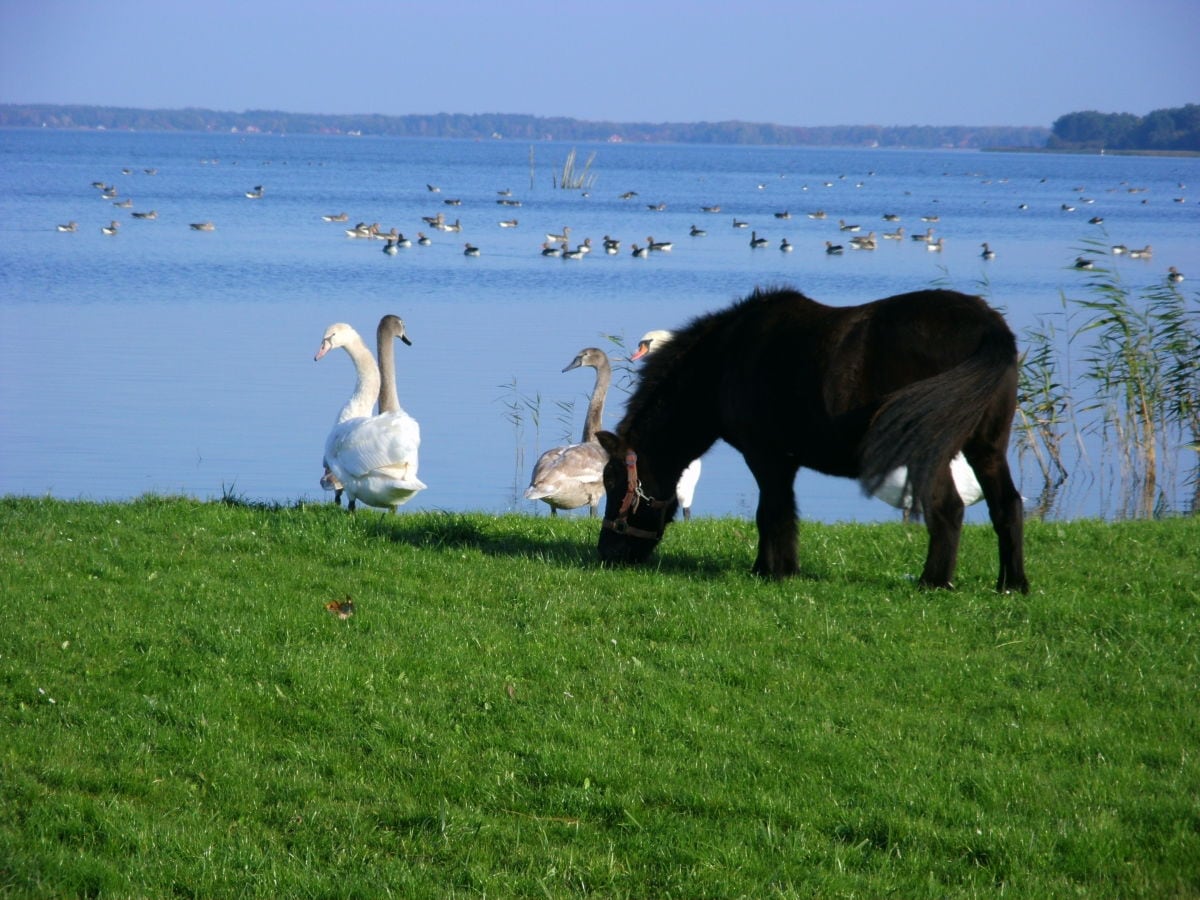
<point x="1140" y="362"/>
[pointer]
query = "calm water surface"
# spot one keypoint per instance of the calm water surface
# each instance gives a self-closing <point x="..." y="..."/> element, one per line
<point x="173" y="361"/>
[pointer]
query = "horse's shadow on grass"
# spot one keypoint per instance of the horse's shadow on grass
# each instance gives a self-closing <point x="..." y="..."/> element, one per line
<point x="531" y="538"/>
<point x="572" y="545"/>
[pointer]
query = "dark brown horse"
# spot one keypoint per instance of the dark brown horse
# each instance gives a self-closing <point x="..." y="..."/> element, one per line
<point x="854" y="391"/>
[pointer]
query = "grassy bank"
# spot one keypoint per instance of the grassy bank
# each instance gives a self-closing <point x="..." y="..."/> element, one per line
<point x="181" y="715"/>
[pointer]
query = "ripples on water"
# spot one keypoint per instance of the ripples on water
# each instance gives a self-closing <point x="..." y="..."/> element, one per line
<point x="174" y="361"/>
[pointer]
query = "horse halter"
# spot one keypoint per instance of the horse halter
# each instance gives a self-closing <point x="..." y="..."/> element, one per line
<point x="634" y="497"/>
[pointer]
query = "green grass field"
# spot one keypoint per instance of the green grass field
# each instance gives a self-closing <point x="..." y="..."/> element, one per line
<point x="182" y="717"/>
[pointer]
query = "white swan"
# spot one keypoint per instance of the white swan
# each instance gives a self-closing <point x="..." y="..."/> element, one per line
<point x="685" y="488"/>
<point x="360" y="402"/>
<point x="896" y="491"/>
<point x="572" y="476"/>
<point x="374" y="458"/>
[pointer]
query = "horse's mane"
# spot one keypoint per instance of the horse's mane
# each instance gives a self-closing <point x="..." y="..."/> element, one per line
<point x="691" y="348"/>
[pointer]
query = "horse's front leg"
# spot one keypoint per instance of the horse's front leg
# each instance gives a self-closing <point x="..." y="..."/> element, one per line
<point x="776" y="518"/>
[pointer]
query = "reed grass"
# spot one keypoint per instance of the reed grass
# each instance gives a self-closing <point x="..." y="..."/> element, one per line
<point x="573" y="179"/>
<point x="502" y="717"/>
<point x="1141" y="363"/>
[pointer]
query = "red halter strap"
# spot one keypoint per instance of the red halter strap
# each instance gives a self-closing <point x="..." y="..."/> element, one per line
<point x="630" y="503"/>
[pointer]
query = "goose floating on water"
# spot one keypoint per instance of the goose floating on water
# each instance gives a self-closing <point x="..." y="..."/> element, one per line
<point x="70" y="226"/>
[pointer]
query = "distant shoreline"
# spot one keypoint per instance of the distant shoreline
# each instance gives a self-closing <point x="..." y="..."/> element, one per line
<point x="1079" y="151"/>
<point x="521" y="127"/>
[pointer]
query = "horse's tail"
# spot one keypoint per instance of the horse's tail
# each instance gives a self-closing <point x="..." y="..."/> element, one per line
<point x="924" y="424"/>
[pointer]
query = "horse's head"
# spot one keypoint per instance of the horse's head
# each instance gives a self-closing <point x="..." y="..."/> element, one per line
<point x="636" y="508"/>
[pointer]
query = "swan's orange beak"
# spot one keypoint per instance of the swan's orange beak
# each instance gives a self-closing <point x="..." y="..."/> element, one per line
<point x="642" y="350"/>
<point x="322" y="350"/>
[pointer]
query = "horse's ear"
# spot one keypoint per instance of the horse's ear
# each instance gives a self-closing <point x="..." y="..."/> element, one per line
<point x="610" y="442"/>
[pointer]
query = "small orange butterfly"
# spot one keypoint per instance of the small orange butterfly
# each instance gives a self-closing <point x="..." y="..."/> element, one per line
<point x="343" y="609"/>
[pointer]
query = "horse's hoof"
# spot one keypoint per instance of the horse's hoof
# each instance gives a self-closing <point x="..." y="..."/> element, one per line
<point x="925" y="585"/>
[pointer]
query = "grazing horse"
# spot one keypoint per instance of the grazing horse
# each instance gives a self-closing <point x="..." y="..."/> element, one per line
<point x="854" y="391"/>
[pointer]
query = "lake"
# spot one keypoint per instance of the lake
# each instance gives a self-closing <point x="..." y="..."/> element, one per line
<point x="174" y="361"/>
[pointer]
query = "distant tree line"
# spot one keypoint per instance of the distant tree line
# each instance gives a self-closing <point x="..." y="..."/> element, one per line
<point x="1175" y="129"/>
<point x="1164" y="129"/>
<point x="518" y="127"/>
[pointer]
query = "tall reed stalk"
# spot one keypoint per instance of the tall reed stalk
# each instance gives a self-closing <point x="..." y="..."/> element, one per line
<point x="573" y="180"/>
<point x="519" y="408"/>
<point x="1141" y="359"/>
<point x="1043" y="412"/>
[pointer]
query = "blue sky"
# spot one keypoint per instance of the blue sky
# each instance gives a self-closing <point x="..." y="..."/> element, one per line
<point x="937" y="62"/>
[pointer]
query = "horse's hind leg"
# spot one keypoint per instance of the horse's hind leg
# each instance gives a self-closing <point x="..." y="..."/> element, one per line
<point x="1006" y="510"/>
<point x="943" y="521"/>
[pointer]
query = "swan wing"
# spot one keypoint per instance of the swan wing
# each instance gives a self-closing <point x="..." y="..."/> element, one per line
<point x="572" y="475"/>
<point x="390" y="441"/>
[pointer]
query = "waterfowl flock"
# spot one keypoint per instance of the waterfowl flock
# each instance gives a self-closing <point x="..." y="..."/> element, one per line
<point x="560" y="244"/>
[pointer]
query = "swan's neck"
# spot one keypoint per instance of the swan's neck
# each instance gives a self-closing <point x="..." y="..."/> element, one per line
<point x="595" y="411"/>
<point x="366" y="389"/>
<point x="389" y="401"/>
